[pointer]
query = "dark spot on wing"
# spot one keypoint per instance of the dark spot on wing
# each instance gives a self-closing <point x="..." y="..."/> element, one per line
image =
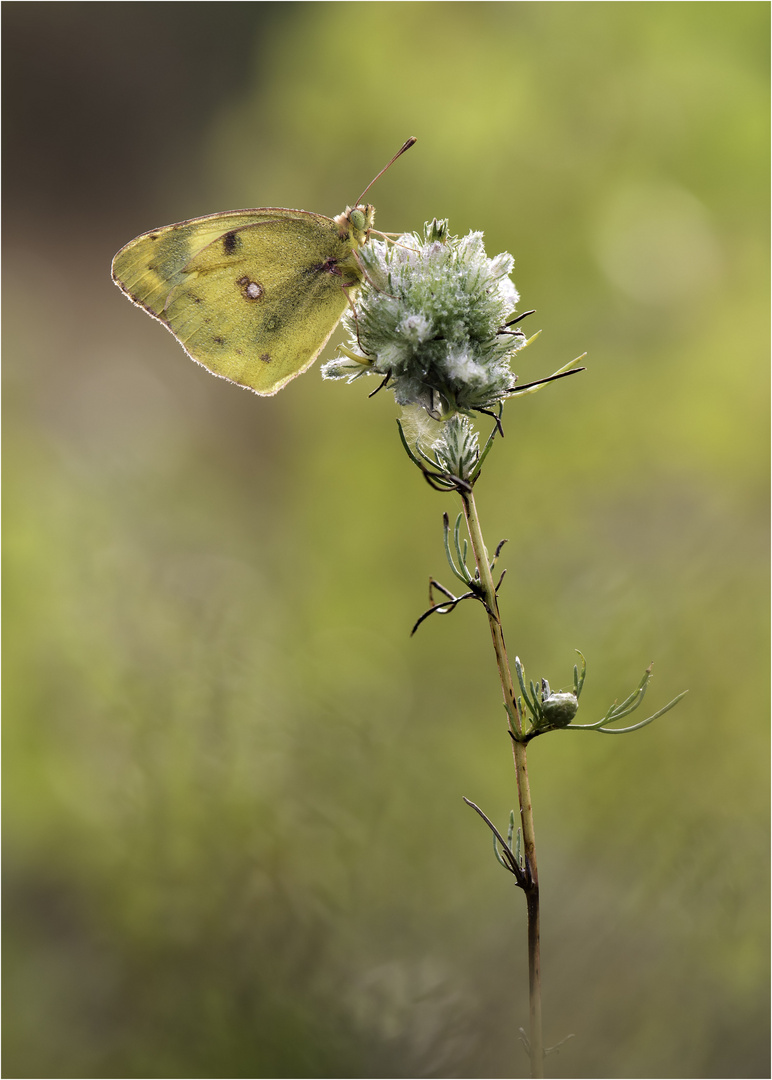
<point x="231" y="242"/>
<point x="218" y="340"/>
<point x="250" y="290"/>
<point x="329" y="266"/>
<point x="265" y="357"/>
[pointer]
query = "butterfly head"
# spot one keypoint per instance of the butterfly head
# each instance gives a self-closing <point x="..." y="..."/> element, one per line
<point x="357" y="222"/>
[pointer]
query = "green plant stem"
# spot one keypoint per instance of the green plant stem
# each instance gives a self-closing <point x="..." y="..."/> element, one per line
<point x="523" y="787"/>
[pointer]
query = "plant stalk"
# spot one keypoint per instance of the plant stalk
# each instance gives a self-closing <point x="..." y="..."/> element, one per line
<point x="523" y="788"/>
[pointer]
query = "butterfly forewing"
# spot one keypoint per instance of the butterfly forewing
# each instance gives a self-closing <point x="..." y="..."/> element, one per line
<point x="148" y="267"/>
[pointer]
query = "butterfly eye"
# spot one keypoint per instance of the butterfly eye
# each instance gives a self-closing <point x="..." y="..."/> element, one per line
<point x="357" y="218"/>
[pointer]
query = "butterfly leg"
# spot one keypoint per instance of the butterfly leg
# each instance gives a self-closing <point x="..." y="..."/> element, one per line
<point x="346" y="289"/>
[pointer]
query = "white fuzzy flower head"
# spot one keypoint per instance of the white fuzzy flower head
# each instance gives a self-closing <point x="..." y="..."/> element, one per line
<point x="415" y="328"/>
<point x="431" y="318"/>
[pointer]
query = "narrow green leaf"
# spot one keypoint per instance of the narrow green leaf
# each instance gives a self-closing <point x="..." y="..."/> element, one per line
<point x="446" y="539"/>
<point x="521" y="679"/>
<point x="627" y="730"/>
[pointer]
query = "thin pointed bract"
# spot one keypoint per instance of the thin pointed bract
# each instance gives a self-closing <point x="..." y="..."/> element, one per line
<point x="484" y="453"/>
<point x="528" y="388"/>
<point x="561" y="373"/>
<point x="519" y="318"/>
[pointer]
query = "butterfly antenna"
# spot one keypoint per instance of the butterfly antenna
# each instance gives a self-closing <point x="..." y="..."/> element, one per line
<point x="399" y="153"/>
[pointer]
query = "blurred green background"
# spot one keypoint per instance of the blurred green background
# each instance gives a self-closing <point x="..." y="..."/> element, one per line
<point x="235" y="844"/>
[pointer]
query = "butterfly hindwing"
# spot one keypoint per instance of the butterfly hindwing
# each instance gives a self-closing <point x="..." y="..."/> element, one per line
<point x="258" y="304"/>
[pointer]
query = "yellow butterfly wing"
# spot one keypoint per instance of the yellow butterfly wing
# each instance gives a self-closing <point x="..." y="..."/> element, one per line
<point x="253" y="295"/>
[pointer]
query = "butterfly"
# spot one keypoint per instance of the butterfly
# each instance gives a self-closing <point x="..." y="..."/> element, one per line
<point x="252" y="295"/>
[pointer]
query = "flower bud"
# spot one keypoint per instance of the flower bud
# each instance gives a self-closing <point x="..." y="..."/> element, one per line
<point x="558" y="710"/>
<point x="456" y="450"/>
